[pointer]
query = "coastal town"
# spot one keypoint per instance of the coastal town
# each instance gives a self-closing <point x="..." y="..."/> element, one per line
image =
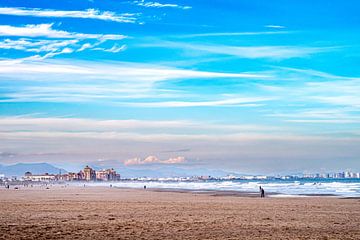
<point x="89" y="174"/>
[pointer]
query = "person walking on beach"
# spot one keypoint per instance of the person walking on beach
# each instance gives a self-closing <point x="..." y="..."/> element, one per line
<point x="262" y="193"/>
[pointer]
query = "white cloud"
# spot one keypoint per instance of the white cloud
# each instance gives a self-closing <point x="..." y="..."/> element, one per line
<point x="175" y="160"/>
<point x="143" y="3"/>
<point x="53" y="47"/>
<point x="84" y="47"/>
<point x="80" y="81"/>
<point x="88" y="14"/>
<point x="154" y="160"/>
<point x="78" y="125"/>
<point x="252" y="52"/>
<point x="163" y="137"/>
<point x="116" y="71"/>
<point x="239" y="102"/>
<point x="114" y="49"/>
<point x="46" y="30"/>
<point x="341" y="100"/>
<point x="322" y="121"/>
<point x="36" y="45"/>
<point x="42" y="38"/>
<point x="319" y="74"/>
<point x="275" y="26"/>
<point x="221" y="34"/>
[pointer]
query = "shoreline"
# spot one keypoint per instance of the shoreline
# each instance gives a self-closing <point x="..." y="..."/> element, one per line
<point x="234" y="193"/>
<point x="210" y="192"/>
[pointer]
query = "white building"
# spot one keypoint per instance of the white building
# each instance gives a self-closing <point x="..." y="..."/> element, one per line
<point x="39" y="178"/>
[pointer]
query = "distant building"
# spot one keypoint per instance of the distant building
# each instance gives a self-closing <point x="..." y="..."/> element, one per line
<point x="107" y="175"/>
<point x="72" y="176"/>
<point x="89" y="174"/>
<point x="39" y="178"/>
<point x="347" y="175"/>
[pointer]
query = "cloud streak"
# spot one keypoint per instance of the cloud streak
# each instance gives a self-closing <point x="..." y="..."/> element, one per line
<point x="154" y="160"/>
<point x="36" y="45"/>
<point x="275" y="26"/>
<point x="113" y="81"/>
<point x="225" y="34"/>
<point x="239" y="102"/>
<point x="110" y="126"/>
<point x="46" y="30"/>
<point x="116" y="71"/>
<point x="250" y="52"/>
<point x="144" y="3"/>
<point x="85" y="14"/>
<point x="48" y="42"/>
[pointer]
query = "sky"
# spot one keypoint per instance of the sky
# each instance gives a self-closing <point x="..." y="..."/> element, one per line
<point x="251" y="86"/>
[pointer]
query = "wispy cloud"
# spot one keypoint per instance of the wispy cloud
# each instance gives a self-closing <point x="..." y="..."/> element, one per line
<point x="87" y="14"/>
<point x="116" y="71"/>
<point x="239" y="102"/>
<point x="275" y="26"/>
<point x="114" y="49"/>
<point x="224" y="34"/>
<point x="144" y="3"/>
<point x="116" y="82"/>
<point x="79" y="125"/>
<point x="251" y="52"/>
<point x="46" y="30"/>
<point x="154" y="160"/>
<point x="49" y="42"/>
<point x="36" y="45"/>
<point x="320" y="74"/>
<point x="322" y="121"/>
<point x="340" y="100"/>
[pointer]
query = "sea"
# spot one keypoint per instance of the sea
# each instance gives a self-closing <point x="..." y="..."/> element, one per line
<point x="273" y="187"/>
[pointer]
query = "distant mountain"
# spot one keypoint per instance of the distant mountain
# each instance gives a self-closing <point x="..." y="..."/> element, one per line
<point x="158" y="170"/>
<point x="35" y="168"/>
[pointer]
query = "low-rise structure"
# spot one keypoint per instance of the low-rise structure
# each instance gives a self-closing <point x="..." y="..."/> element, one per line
<point x="107" y="175"/>
<point x="39" y="178"/>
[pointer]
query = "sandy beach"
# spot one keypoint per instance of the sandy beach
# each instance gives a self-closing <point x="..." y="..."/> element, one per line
<point x="113" y="213"/>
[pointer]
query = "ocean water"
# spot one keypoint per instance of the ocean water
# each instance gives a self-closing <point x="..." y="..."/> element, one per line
<point x="301" y="187"/>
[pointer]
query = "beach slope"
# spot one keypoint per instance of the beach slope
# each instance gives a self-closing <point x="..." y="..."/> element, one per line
<point x="112" y="213"/>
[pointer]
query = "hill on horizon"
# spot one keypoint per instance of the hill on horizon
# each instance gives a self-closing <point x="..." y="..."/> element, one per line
<point x="19" y="169"/>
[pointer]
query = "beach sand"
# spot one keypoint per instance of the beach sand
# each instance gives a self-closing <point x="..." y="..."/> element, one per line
<point x="113" y="213"/>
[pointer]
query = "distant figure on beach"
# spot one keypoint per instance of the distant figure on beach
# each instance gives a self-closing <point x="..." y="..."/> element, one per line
<point x="144" y="186"/>
<point x="262" y="193"/>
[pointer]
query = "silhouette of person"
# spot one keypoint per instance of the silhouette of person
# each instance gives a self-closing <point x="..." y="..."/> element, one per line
<point x="262" y="193"/>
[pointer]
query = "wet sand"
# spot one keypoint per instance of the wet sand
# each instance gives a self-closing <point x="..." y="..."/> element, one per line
<point x="112" y="213"/>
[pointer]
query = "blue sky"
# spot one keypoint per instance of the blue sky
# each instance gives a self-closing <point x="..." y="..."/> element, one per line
<point x="249" y="86"/>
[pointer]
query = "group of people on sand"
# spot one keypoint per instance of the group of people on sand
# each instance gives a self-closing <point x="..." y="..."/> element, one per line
<point x="262" y="192"/>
